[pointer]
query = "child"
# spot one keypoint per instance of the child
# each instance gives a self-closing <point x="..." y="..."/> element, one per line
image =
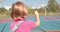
<point x="18" y="14"/>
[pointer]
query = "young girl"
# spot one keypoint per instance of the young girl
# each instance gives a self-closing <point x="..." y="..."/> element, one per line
<point x="18" y="14"/>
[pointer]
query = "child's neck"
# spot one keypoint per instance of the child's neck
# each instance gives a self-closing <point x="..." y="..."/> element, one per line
<point x="19" y="18"/>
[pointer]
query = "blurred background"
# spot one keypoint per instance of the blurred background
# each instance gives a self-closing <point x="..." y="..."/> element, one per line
<point x="49" y="11"/>
<point x="44" y="7"/>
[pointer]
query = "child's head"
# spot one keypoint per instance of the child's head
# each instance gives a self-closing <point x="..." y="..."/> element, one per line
<point x="19" y="10"/>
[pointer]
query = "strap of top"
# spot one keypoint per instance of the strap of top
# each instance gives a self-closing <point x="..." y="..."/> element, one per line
<point x="16" y="26"/>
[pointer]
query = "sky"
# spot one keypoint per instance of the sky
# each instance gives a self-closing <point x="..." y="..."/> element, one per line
<point x="33" y="3"/>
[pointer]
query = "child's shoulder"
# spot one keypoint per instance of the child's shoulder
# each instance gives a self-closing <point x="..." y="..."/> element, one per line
<point x="30" y="21"/>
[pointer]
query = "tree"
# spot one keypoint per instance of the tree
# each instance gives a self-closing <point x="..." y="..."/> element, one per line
<point x="10" y="9"/>
<point x="52" y="6"/>
<point x="31" y="11"/>
<point x="2" y="10"/>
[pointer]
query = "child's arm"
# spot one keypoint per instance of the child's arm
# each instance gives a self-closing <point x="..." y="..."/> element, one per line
<point x="37" y="18"/>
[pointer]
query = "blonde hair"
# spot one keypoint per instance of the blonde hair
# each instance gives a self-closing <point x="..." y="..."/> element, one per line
<point x="19" y="10"/>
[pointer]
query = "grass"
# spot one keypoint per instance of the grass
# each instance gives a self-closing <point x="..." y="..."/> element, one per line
<point x="6" y="15"/>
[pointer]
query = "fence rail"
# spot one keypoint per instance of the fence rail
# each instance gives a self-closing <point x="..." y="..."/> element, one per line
<point x="50" y="14"/>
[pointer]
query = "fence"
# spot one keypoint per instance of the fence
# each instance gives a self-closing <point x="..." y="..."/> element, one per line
<point x="50" y="14"/>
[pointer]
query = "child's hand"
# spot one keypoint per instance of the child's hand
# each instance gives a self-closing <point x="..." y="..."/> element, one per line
<point x="37" y="18"/>
<point x="36" y="13"/>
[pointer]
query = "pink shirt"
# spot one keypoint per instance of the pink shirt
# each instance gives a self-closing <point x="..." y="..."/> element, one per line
<point x="25" y="26"/>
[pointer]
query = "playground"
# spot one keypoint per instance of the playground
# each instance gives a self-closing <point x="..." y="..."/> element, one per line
<point x="48" y="24"/>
